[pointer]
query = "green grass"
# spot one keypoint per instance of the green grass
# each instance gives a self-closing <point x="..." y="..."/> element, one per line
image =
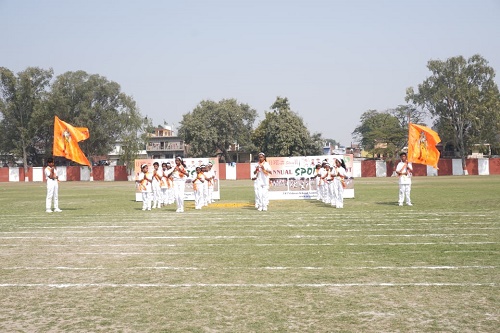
<point x="103" y="265"/>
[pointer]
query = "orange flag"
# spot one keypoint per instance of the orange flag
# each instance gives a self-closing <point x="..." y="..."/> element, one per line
<point x="66" y="138"/>
<point x="422" y="143"/>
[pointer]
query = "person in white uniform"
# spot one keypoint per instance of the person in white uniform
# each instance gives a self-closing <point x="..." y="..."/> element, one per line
<point x="262" y="173"/>
<point x="143" y="181"/>
<point x="339" y="172"/>
<point x="210" y="174"/>
<point x="52" y="187"/>
<point x="179" y="176"/>
<point x="198" y="188"/>
<point x="404" y="171"/>
<point x="317" y="179"/>
<point x="167" y="196"/>
<point x="156" y="185"/>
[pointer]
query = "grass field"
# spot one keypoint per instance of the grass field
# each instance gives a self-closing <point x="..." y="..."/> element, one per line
<point x="103" y="265"/>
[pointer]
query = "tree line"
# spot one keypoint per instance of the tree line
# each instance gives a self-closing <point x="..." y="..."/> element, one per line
<point x="30" y="100"/>
<point x="460" y="96"/>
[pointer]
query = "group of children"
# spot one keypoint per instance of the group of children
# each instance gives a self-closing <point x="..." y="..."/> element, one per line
<point x="330" y="182"/>
<point x="166" y="186"/>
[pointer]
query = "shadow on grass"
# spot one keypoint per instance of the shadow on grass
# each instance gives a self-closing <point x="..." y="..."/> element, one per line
<point x="387" y="203"/>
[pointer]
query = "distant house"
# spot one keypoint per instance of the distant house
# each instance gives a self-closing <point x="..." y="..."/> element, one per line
<point x="163" y="144"/>
<point x="114" y="156"/>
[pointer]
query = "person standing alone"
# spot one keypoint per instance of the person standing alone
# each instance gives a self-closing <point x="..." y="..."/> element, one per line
<point x="404" y="170"/>
<point x="52" y="187"/>
<point x="262" y="174"/>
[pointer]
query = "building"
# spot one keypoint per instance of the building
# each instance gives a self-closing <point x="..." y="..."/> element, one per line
<point x="163" y="144"/>
<point x="114" y="156"/>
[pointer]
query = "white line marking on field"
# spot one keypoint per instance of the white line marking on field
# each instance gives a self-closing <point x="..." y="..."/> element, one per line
<point x="239" y="285"/>
<point x="242" y="237"/>
<point x="253" y="268"/>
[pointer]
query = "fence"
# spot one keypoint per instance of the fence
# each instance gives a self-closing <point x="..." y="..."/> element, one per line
<point x="361" y="169"/>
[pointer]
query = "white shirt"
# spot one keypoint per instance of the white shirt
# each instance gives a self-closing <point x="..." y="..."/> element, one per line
<point x="144" y="182"/>
<point x="262" y="177"/>
<point x="404" y="179"/>
<point x="47" y="174"/>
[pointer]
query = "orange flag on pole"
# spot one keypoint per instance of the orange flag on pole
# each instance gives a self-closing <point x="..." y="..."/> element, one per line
<point x="422" y="143"/>
<point x="66" y="138"/>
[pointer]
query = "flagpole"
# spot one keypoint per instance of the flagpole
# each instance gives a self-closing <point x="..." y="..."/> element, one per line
<point x="408" y="136"/>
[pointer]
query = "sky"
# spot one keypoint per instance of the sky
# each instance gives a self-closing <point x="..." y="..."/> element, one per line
<point x="332" y="59"/>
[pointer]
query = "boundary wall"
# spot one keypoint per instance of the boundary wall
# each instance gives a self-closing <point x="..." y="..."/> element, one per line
<point x="233" y="171"/>
<point x="379" y="168"/>
<point x="66" y="173"/>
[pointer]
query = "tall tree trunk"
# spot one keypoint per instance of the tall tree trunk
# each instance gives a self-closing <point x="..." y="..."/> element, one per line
<point x="25" y="163"/>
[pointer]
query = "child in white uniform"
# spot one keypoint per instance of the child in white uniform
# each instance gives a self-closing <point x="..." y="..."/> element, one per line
<point x="198" y="188"/>
<point x="52" y="187"/>
<point x="143" y="181"/>
<point x="210" y="174"/>
<point x="263" y="173"/>
<point x="339" y="173"/>
<point x="155" y="185"/>
<point x="404" y="171"/>
<point x="179" y="175"/>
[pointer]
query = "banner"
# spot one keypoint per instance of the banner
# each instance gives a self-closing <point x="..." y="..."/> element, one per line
<point x="291" y="177"/>
<point x="191" y="164"/>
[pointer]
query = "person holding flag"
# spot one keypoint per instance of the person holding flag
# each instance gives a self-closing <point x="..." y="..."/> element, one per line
<point x="404" y="170"/>
<point x="66" y="138"/>
<point x="52" y="187"/>
<point x="422" y="149"/>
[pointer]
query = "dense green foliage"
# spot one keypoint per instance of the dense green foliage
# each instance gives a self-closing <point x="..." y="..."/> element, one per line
<point x="23" y="126"/>
<point x="283" y="133"/>
<point x="214" y="127"/>
<point x="29" y="102"/>
<point x="386" y="133"/>
<point x="464" y="99"/>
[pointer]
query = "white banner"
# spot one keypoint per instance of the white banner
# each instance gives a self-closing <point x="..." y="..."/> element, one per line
<point x="292" y="176"/>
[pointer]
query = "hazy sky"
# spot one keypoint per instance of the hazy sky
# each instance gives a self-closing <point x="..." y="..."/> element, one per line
<point x="332" y="59"/>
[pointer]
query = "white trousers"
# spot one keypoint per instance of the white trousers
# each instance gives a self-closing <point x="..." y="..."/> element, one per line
<point x="179" y="187"/>
<point x="52" y="194"/>
<point x="404" y="191"/>
<point x="167" y="195"/>
<point x="198" y="197"/>
<point x="204" y="195"/>
<point x="146" y="200"/>
<point x="338" y="190"/>
<point x="262" y="196"/>
<point x="157" y="195"/>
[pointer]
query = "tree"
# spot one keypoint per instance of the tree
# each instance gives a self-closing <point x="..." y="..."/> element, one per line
<point x="381" y="133"/>
<point x="405" y="113"/>
<point x="23" y="100"/>
<point x="464" y="98"/>
<point x="283" y="133"/>
<point x="133" y="137"/>
<point x="332" y="142"/>
<point x="212" y="127"/>
<point x="95" y="102"/>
